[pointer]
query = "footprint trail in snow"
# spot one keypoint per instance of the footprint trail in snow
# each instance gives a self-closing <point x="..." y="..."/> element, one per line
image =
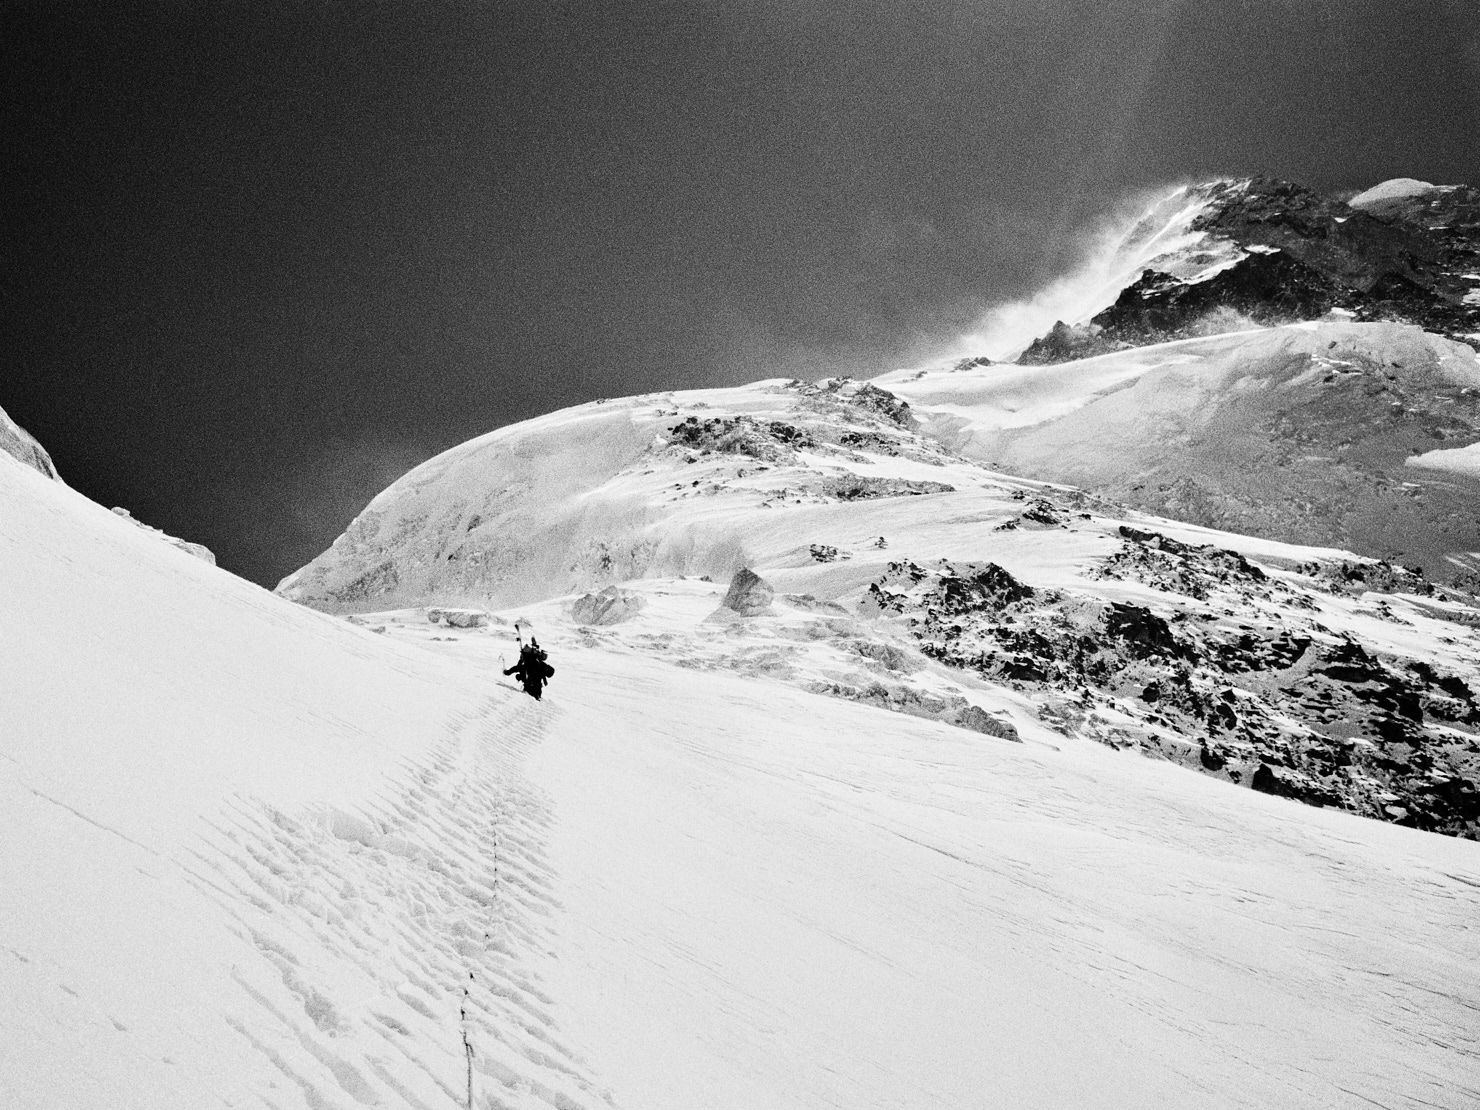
<point x="404" y="933"/>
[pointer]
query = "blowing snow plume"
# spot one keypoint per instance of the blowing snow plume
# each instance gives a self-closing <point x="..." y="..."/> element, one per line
<point x="1156" y="227"/>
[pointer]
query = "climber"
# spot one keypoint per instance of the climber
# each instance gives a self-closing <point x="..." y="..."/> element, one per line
<point x="531" y="669"/>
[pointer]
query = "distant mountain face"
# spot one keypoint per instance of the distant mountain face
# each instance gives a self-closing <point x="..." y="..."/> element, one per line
<point x="1264" y="252"/>
<point x="1265" y="359"/>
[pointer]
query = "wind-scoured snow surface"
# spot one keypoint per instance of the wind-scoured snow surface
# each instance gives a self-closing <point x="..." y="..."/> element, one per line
<point x="251" y="855"/>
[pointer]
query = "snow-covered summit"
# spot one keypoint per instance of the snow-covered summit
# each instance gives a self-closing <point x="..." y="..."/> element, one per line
<point x="1263" y="251"/>
<point x="1392" y="189"/>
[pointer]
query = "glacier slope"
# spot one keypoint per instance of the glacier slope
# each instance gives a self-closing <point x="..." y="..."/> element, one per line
<point x="773" y="898"/>
<point x="1310" y="433"/>
<point x="251" y="855"/>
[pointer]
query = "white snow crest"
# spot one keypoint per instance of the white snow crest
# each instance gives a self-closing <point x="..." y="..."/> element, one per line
<point x="1393" y="189"/>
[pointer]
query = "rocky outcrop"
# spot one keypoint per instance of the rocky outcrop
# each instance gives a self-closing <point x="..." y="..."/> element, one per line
<point x="610" y="606"/>
<point x="20" y="444"/>
<point x="769" y="440"/>
<point x="863" y="487"/>
<point x="858" y="400"/>
<point x="458" y="618"/>
<point x="749" y="594"/>
<point x="1278" y="705"/>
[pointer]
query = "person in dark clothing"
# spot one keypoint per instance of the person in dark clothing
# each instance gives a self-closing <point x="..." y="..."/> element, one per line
<point x="531" y="670"/>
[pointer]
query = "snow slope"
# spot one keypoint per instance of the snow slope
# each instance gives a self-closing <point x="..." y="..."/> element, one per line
<point x="249" y="855"/>
<point x="597" y="493"/>
<point x="792" y="903"/>
<point x="252" y="855"/>
<point x="1301" y="433"/>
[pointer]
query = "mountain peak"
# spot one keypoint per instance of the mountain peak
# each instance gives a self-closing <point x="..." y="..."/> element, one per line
<point x="1264" y="251"/>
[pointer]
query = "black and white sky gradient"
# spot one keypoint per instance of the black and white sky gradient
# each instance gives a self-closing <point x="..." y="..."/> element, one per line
<point x="261" y="258"/>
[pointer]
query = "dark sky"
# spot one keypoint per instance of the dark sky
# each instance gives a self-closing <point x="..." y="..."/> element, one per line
<point x="260" y="258"/>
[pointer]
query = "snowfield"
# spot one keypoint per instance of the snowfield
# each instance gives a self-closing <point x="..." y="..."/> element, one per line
<point x="253" y="855"/>
<point x="1311" y="433"/>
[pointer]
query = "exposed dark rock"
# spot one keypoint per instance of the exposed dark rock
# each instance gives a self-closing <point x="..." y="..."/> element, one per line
<point x="458" y="618"/>
<point x="894" y="409"/>
<point x="862" y="487"/>
<point x="1378" y="577"/>
<point x="1168" y="564"/>
<point x="970" y="363"/>
<point x="1299" y="713"/>
<point x="610" y="606"/>
<point x="375" y="582"/>
<point x="1303" y="254"/>
<point x="887" y="655"/>
<point x="772" y="441"/>
<point x="978" y="719"/>
<point x="864" y="399"/>
<point x="1263" y="288"/>
<point x="1039" y="511"/>
<point x="876" y="442"/>
<point x="1064" y="343"/>
<point x="1145" y="634"/>
<point x="749" y="594"/>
